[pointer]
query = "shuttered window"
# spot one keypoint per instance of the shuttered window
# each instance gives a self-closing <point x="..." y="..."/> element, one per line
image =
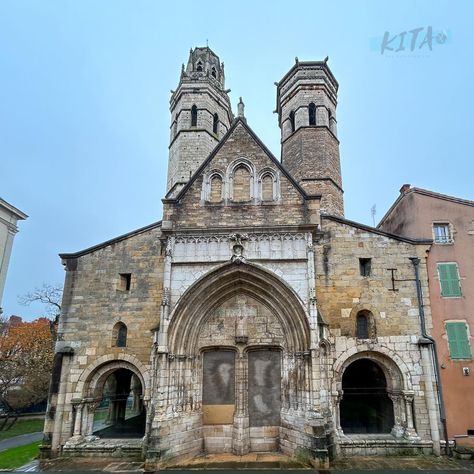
<point x="458" y="340"/>
<point x="449" y="279"/>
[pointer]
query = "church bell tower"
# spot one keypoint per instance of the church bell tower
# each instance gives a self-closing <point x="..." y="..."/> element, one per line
<point x="200" y="116"/>
<point x="306" y="106"/>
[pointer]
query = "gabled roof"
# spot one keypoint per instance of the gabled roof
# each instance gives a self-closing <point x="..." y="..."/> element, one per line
<point x="111" y="241"/>
<point x="374" y="230"/>
<point x="239" y="121"/>
<point x="406" y="189"/>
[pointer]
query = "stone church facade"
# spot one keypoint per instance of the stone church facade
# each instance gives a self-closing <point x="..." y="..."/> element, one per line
<point x="253" y="317"/>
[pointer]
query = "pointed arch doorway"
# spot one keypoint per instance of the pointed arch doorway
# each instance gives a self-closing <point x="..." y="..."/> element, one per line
<point x="249" y="335"/>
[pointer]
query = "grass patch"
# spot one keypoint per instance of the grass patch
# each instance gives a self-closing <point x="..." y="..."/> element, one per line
<point x="101" y="414"/>
<point x="16" y="457"/>
<point x="22" y="427"/>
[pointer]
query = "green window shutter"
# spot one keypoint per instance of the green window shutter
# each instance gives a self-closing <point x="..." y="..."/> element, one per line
<point x="458" y="340"/>
<point x="449" y="279"/>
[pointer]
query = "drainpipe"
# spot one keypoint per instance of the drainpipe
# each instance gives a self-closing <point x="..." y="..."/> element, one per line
<point x="427" y="340"/>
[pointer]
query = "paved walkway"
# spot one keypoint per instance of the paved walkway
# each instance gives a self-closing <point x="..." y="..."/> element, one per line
<point x="32" y="466"/>
<point x="20" y="440"/>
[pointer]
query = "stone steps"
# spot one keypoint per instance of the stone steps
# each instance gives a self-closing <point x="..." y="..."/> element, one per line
<point x="248" y="461"/>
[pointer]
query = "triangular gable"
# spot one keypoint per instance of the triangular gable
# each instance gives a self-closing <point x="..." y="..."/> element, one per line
<point x="236" y="123"/>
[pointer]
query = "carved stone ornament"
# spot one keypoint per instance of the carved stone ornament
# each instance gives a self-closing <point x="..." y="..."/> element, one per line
<point x="237" y="256"/>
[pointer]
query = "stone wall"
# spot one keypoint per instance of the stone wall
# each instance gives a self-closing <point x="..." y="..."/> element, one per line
<point x="311" y="155"/>
<point x="342" y="291"/>
<point x="93" y="303"/>
<point x="194" y="212"/>
<point x="191" y="145"/>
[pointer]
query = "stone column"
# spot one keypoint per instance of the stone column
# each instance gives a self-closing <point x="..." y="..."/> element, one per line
<point x="78" y="407"/>
<point x="410" y="431"/>
<point x="162" y="336"/>
<point x="337" y="412"/>
<point x="61" y="428"/>
<point x="241" y="430"/>
<point x="315" y="380"/>
<point x="90" y="405"/>
<point x="397" y="429"/>
<point x="313" y="312"/>
<point x="137" y="392"/>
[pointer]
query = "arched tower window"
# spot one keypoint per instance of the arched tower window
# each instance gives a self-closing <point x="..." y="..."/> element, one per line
<point x="199" y="66"/>
<point x="194" y="116"/>
<point x="312" y="114"/>
<point x="215" y="123"/>
<point x="214" y="72"/>
<point x="292" y="121"/>
<point x="216" y="189"/>
<point x="241" y="191"/>
<point x="119" y="335"/>
<point x="267" y="188"/>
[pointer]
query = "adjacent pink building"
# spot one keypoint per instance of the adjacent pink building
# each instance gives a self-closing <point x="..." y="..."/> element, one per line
<point x="449" y="221"/>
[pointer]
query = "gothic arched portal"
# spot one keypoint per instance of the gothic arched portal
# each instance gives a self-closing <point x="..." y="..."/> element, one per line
<point x="241" y="338"/>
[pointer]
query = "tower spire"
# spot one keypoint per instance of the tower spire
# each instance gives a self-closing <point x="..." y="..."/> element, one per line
<point x="200" y="114"/>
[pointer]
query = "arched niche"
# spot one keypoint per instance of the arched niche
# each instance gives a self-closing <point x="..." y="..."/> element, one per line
<point x="225" y="282"/>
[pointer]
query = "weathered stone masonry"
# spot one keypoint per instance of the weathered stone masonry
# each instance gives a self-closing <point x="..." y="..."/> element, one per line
<point x="248" y="310"/>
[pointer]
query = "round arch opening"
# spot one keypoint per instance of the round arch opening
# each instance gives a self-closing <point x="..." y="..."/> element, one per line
<point x="366" y="406"/>
<point x="120" y="412"/>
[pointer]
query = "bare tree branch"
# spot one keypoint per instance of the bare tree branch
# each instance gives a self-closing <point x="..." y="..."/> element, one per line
<point x="49" y="295"/>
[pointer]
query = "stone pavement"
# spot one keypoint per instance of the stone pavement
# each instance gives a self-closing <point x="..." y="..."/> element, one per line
<point x="258" y="463"/>
<point x="401" y="463"/>
<point x="89" y="464"/>
<point x="20" y="440"/>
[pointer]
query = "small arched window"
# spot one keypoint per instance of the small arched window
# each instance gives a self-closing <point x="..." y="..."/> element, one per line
<point x="312" y="114"/>
<point x="199" y="66"/>
<point x="365" y="325"/>
<point x="215" y="123"/>
<point x="267" y="188"/>
<point x="216" y="189"/>
<point x="241" y="191"/>
<point x="292" y="121"/>
<point x="194" y="116"/>
<point x="362" y="326"/>
<point x="214" y="72"/>
<point x="120" y="335"/>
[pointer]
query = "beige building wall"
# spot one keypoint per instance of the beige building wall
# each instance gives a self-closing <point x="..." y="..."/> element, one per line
<point x="414" y="214"/>
<point x="9" y="217"/>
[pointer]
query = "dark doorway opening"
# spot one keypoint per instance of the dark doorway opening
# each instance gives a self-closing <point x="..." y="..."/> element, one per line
<point x="120" y="413"/>
<point x="365" y="407"/>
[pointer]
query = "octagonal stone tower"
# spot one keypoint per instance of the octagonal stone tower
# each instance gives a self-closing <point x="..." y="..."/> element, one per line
<point x="306" y="106"/>
<point x="200" y="116"/>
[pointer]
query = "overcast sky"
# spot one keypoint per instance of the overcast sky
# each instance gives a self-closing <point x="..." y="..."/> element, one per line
<point x="84" y="106"/>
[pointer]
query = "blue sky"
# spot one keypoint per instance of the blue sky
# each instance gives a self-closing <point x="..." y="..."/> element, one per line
<point x="85" y="87"/>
